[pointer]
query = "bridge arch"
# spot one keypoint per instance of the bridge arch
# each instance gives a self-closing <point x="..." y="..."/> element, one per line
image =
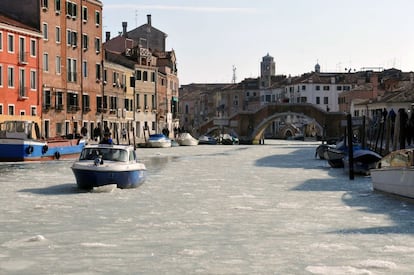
<point x="250" y="125"/>
<point x="289" y="129"/>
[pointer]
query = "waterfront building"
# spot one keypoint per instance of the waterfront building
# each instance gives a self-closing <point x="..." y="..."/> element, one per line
<point x="19" y="70"/>
<point x="155" y="79"/>
<point x="115" y="105"/>
<point x="71" y="65"/>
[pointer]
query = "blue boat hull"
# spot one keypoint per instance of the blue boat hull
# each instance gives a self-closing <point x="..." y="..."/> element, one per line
<point x="13" y="150"/>
<point x="88" y="179"/>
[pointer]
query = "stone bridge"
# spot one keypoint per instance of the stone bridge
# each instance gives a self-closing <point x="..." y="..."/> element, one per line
<point x="250" y="126"/>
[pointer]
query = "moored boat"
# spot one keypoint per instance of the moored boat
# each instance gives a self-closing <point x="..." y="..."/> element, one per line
<point x="158" y="141"/>
<point x="102" y="164"/>
<point x="20" y="141"/>
<point x="364" y="160"/>
<point x="185" y="139"/>
<point x="394" y="173"/>
<point x="206" y="139"/>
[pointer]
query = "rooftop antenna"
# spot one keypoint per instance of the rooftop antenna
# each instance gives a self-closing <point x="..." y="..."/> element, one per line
<point x="233" y="80"/>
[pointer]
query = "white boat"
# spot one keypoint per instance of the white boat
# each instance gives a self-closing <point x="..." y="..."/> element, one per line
<point x="158" y="141"/>
<point x="185" y="139"/>
<point x="103" y="164"/>
<point x="395" y="173"/>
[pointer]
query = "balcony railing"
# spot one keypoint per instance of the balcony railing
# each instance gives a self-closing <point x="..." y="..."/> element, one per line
<point x="23" y="57"/>
<point x="23" y="92"/>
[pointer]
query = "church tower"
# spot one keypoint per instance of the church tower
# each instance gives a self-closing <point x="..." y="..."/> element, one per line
<point x="267" y="70"/>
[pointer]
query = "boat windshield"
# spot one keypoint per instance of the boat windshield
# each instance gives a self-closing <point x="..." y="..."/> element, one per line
<point x="104" y="153"/>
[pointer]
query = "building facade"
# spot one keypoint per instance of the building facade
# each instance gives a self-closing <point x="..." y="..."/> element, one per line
<point x="20" y="76"/>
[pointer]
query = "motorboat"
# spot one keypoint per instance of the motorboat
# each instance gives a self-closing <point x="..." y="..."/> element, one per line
<point x="158" y="141"/>
<point x="228" y="139"/>
<point x="20" y="141"/>
<point x="394" y="173"/>
<point x="102" y="164"/>
<point x="186" y="139"/>
<point x="207" y="139"/>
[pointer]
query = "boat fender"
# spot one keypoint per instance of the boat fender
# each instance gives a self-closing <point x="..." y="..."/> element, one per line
<point x="57" y="155"/>
<point x="44" y="149"/>
<point x="29" y="149"/>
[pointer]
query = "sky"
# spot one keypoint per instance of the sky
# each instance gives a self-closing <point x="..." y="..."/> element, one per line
<point x="213" y="40"/>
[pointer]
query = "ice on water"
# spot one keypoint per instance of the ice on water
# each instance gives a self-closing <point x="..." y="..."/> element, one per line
<point x="264" y="209"/>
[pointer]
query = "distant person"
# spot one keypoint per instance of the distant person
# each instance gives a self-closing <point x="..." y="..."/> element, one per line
<point x="84" y="131"/>
<point x="97" y="133"/>
<point x="124" y="134"/>
<point x="106" y="139"/>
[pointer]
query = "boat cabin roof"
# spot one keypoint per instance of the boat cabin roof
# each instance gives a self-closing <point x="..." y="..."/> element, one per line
<point x="123" y="153"/>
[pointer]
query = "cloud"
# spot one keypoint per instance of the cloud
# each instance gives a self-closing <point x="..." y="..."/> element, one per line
<point x="203" y="9"/>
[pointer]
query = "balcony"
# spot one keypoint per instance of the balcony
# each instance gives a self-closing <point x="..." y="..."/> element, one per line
<point x="23" y="58"/>
<point x="23" y="93"/>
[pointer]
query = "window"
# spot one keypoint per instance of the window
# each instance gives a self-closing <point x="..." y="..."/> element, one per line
<point x="98" y="71"/>
<point x="1" y="41"/>
<point x="33" y="78"/>
<point x="113" y="103"/>
<point x="71" y="67"/>
<point x="57" y="6"/>
<point x="71" y="10"/>
<point x="138" y="74"/>
<point x="85" y="42"/>
<point x="45" y="62"/>
<point x="84" y="14"/>
<point x="97" y="18"/>
<point x="99" y="103"/>
<point x="72" y="100"/>
<point x="145" y="76"/>
<point x="85" y="68"/>
<point x="339" y="88"/>
<point x="59" y="100"/>
<point x="326" y="88"/>
<point x="72" y="38"/>
<point x="303" y="87"/>
<point x="85" y="102"/>
<point x="32" y="47"/>
<point x="45" y="31"/>
<point x="47" y="98"/>
<point x="10" y="75"/>
<point x="1" y="109"/>
<point x="318" y="100"/>
<point x="45" y="4"/>
<point x="318" y="88"/>
<point x="97" y="45"/>
<point x="1" y="76"/>
<point x="33" y="111"/>
<point x="11" y="110"/>
<point x="58" y="35"/>
<point x="105" y="75"/>
<point x="58" y="65"/>
<point x="325" y="100"/>
<point x="10" y="43"/>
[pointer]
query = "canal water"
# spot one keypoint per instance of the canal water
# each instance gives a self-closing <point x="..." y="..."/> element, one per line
<point x="208" y="209"/>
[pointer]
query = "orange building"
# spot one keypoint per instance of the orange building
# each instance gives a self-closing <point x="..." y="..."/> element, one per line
<point x="19" y="71"/>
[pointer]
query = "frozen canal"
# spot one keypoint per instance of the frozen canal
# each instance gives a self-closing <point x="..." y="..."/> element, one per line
<point x="264" y="209"/>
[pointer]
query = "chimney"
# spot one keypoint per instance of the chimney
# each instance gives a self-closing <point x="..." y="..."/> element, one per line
<point x="149" y="19"/>
<point x="107" y="36"/>
<point x="124" y="28"/>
